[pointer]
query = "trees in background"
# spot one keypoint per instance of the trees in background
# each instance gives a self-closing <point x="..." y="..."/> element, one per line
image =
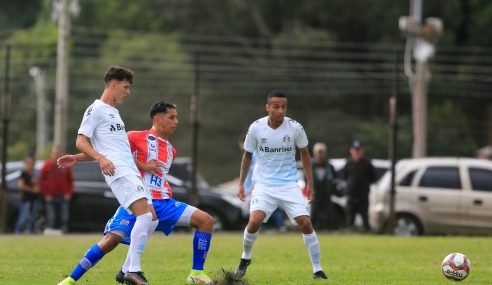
<point x="333" y="58"/>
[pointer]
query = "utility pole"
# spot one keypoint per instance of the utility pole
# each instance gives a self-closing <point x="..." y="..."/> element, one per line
<point x="195" y="121"/>
<point x="39" y="77"/>
<point x="63" y="11"/>
<point x="6" y="119"/>
<point x="393" y="143"/>
<point x="420" y="45"/>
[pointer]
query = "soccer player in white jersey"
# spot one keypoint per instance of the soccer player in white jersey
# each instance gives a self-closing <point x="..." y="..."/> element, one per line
<point x="102" y="137"/>
<point x="154" y="154"/>
<point x="274" y="140"/>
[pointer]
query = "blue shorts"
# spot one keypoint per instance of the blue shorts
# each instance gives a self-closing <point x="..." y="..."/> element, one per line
<point x="168" y="212"/>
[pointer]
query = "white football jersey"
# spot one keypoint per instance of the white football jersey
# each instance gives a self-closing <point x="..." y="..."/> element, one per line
<point x="275" y="150"/>
<point x="102" y="124"/>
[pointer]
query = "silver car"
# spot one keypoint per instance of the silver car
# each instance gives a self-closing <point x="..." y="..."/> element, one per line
<point x="436" y="196"/>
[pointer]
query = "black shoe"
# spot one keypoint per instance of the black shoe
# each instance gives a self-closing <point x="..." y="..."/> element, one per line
<point x="135" y="278"/>
<point x="319" y="275"/>
<point x="120" y="277"/>
<point x="241" y="268"/>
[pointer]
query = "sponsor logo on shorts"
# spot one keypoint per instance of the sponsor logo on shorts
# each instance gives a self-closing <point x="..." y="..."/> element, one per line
<point x="124" y="222"/>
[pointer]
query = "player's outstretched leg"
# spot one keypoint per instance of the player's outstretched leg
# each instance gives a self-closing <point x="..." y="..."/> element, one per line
<point x="92" y="256"/>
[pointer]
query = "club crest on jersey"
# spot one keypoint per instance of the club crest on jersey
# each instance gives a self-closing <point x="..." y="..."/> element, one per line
<point x="263" y="140"/>
<point x="286" y="139"/>
<point x="112" y="116"/>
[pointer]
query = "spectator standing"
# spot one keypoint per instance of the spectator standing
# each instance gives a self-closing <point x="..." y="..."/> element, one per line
<point x="29" y="206"/>
<point x="359" y="174"/>
<point x="322" y="212"/>
<point x="56" y="185"/>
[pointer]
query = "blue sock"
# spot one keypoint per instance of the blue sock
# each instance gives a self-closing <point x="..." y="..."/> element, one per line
<point x="93" y="255"/>
<point x="201" y="244"/>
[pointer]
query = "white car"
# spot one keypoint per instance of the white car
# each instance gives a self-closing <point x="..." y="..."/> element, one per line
<point x="436" y="196"/>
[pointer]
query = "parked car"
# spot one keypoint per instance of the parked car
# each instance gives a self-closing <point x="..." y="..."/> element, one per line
<point x="381" y="166"/>
<point x="436" y="196"/>
<point x="93" y="202"/>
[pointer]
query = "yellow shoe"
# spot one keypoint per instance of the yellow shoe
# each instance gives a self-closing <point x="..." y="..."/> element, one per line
<point x="67" y="281"/>
<point x="199" y="277"/>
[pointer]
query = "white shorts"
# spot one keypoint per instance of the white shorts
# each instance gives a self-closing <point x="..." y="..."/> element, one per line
<point x="129" y="189"/>
<point x="267" y="198"/>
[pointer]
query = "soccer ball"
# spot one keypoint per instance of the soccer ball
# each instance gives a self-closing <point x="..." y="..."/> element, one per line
<point x="456" y="266"/>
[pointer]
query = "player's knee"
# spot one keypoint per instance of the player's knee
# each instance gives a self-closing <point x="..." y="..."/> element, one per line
<point x="109" y="242"/>
<point x="304" y="224"/>
<point x="208" y="222"/>
<point x="204" y="222"/>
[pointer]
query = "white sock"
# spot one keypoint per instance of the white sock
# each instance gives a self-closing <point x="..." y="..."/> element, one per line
<point x="312" y="244"/>
<point x="152" y="227"/>
<point x="248" y="241"/>
<point x="139" y="237"/>
<point x="126" y="265"/>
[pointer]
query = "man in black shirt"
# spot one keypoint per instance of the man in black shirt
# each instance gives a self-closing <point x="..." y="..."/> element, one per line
<point x="29" y="207"/>
<point x="359" y="174"/>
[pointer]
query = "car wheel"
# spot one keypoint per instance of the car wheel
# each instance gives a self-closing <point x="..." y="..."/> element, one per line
<point x="407" y="225"/>
<point x="219" y="220"/>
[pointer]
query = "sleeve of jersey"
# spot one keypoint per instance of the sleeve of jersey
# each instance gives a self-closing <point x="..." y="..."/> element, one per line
<point x="250" y="142"/>
<point x="301" y="139"/>
<point x="89" y="122"/>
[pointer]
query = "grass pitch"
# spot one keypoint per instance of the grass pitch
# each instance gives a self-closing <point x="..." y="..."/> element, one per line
<point x="277" y="259"/>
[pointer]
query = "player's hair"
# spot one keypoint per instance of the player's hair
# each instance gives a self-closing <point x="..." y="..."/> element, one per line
<point x="119" y="73"/>
<point x="160" y="107"/>
<point x="275" y="93"/>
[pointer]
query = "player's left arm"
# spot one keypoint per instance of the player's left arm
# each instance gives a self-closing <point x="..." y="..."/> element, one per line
<point x="308" y="171"/>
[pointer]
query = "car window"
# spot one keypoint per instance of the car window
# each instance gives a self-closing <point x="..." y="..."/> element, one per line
<point x="441" y="177"/>
<point x="407" y="180"/>
<point x="481" y="179"/>
<point x="379" y="172"/>
<point x="87" y="171"/>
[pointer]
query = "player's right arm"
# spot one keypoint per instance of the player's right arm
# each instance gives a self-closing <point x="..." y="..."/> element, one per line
<point x="84" y="145"/>
<point x="151" y="166"/>
<point x="70" y="160"/>
<point x="245" y="165"/>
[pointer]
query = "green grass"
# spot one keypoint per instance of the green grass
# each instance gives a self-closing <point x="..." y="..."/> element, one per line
<point x="277" y="259"/>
